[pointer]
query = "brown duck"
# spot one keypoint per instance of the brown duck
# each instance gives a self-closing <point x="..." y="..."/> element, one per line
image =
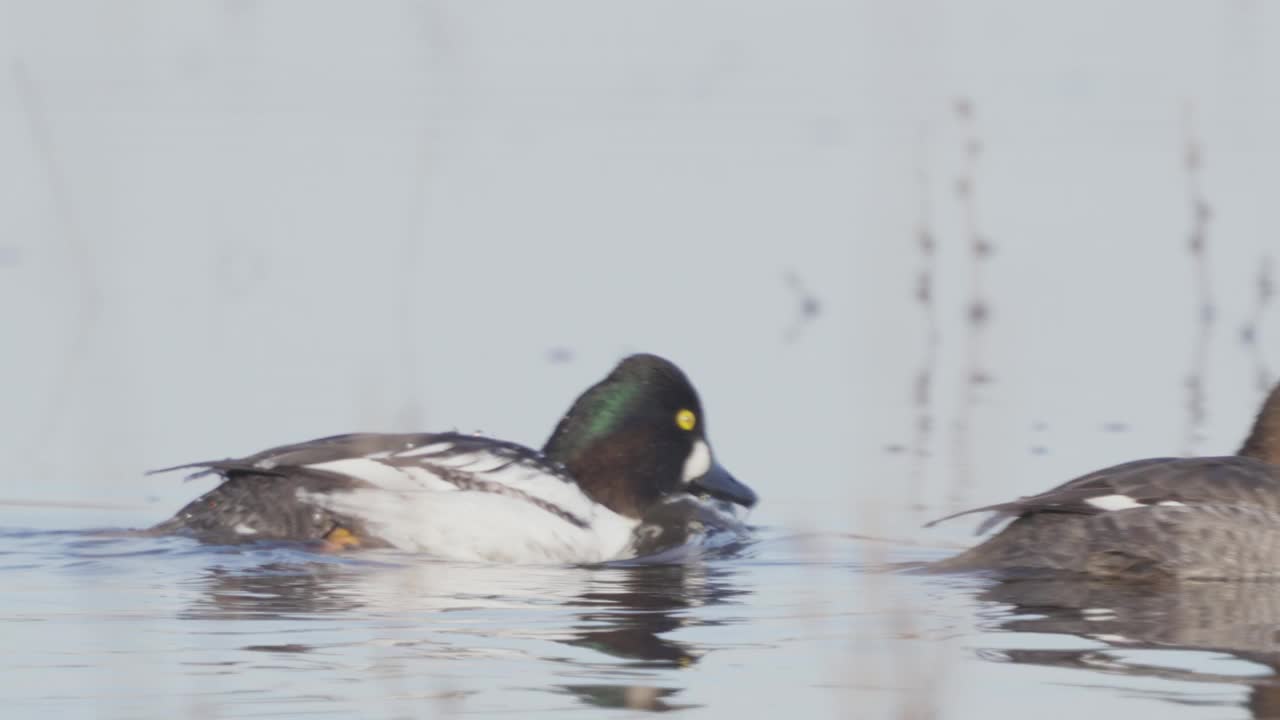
<point x="1160" y="518"/>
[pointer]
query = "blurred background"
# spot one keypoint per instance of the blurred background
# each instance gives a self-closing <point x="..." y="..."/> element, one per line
<point x="909" y="252"/>
<point x="916" y="256"/>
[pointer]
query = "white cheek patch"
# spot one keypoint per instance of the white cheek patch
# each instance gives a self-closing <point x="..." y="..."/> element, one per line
<point x="698" y="462"/>
<point x="1114" y="502"/>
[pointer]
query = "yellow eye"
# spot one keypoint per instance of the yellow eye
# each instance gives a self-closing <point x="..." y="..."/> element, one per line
<point x="686" y="419"/>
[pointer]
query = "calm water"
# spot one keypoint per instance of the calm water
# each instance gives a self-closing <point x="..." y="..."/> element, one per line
<point x="119" y="627"/>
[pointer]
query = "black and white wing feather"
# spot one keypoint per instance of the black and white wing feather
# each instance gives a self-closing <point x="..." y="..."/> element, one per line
<point x="390" y="450"/>
<point x="417" y="462"/>
<point x="1232" y="480"/>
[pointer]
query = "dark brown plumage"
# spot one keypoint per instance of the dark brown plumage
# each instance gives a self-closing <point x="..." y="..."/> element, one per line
<point x="1204" y="518"/>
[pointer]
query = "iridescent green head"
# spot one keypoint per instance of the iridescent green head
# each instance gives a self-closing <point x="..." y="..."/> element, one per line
<point x="639" y="436"/>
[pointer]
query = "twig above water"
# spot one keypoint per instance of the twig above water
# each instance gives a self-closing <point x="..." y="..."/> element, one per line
<point x="807" y="306"/>
<point x="1250" y="334"/>
<point x="88" y="295"/>
<point x="977" y="308"/>
<point x="1198" y="246"/>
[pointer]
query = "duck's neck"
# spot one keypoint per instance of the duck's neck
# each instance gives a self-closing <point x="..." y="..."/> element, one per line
<point x="1263" y="442"/>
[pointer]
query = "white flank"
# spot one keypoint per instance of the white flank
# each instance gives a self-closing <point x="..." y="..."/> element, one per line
<point x="483" y="526"/>
<point x="1113" y="502"/>
<point x="242" y="529"/>
<point x="698" y="462"/>
<point x="1171" y="503"/>
<point x="510" y="512"/>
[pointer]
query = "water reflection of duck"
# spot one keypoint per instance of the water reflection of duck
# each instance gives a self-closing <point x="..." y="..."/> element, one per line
<point x="617" y="612"/>
<point x="627" y="617"/>
<point x="1239" y="619"/>
<point x="629" y="444"/>
<point x="273" y="591"/>
<point x="1207" y="517"/>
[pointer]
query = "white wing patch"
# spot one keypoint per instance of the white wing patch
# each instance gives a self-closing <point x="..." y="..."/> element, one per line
<point x="1114" y="502"/>
<point x="698" y="462"/>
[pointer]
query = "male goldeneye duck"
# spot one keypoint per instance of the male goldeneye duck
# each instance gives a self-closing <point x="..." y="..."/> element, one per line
<point x="631" y="445"/>
<point x="1204" y="518"/>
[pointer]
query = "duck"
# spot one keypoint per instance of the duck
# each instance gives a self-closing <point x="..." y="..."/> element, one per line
<point x="1168" y="518"/>
<point x="628" y="466"/>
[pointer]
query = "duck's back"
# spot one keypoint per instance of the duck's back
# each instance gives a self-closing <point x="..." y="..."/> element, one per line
<point x="1211" y="517"/>
<point x="251" y="507"/>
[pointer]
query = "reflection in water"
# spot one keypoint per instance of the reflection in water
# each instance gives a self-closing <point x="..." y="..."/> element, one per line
<point x="273" y="591"/>
<point x="1238" y="619"/>
<point x="629" y="615"/>
<point x="617" y="612"/>
<point x="632" y="697"/>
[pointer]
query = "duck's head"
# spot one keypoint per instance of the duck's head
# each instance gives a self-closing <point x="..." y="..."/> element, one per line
<point x="1263" y="442"/>
<point x="639" y="437"/>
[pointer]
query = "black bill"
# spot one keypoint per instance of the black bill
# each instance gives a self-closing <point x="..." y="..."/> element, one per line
<point x="721" y="485"/>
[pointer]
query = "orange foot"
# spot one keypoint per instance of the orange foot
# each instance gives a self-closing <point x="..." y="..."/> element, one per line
<point x="339" y="539"/>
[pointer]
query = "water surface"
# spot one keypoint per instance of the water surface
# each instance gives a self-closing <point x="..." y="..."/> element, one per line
<point x="100" y="625"/>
